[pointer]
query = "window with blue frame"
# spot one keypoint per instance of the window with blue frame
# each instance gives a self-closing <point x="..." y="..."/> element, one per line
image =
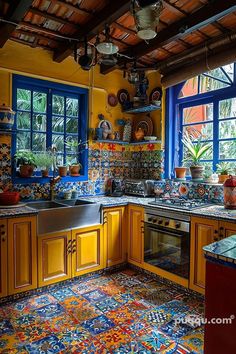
<point x="203" y="106"/>
<point x="50" y="114"/>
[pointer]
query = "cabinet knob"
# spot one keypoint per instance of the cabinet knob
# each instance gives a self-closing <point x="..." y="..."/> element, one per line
<point x="216" y="232"/>
<point x="3" y="239"/>
<point x="2" y="225"/>
<point x="216" y="239"/>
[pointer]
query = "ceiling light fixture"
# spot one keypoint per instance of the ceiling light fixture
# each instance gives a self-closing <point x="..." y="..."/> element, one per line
<point x="107" y="47"/>
<point x="146" y="15"/>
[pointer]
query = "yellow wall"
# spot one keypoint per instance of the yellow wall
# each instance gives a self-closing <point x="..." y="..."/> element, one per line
<point x="36" y="62"/>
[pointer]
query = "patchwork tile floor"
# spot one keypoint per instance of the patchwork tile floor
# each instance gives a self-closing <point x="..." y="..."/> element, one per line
<point x="124" y="312"/>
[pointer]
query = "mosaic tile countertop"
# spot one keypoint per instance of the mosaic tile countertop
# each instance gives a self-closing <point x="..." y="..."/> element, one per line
<point x="216" y="211"/>
<point x="225" y="249"/>
<point x="15" y="212"/>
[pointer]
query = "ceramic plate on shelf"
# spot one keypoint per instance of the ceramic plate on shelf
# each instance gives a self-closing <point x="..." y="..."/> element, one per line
<point x="155" y="95"/>
<point x="145" y="123"/>
<point x="112" y="100"/>
<point x="123" y="96"/>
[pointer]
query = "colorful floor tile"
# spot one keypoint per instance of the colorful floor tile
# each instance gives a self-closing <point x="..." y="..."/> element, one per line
<point x="123" y="312"/>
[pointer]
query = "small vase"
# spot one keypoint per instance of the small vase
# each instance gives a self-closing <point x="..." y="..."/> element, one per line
<point x="44" y="173"/>
<point x="62" y="170"/>
<point x="139" y="134"/>
<point x="26" y="171"/>
<point x="74" y="170"/>
<point x="180" y="172"/>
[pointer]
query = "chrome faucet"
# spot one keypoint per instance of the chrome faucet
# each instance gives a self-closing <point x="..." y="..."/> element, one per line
<point x="53" y="182"/>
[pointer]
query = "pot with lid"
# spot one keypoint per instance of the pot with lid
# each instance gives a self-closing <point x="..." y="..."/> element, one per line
<point x="230" y="193"/>
<point x="6" y="117"/>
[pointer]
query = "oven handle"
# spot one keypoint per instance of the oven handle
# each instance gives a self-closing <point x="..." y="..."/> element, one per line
<point x="174" y="233"/>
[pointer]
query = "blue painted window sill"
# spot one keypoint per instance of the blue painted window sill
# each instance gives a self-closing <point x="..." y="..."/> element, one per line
<point x="42" y="180"/>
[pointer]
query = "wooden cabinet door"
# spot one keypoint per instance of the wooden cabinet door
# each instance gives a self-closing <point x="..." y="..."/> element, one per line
<point x="226" y="229"/>
<point x="3" y="258"/>
<point x="22" y="255"/>
<point x="135" y="234"/>
<point x="87" y="250"/>
<point x="114" y="235"/>
<point x="203" y="232"/>
<point x="54" y="257"/>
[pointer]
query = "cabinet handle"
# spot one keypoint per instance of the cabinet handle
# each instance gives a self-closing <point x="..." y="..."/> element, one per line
<point x="216" y="239"/>
<point x="216" y="232"/>
<point x="3" y="239"/>
<point x="142" y="221"/>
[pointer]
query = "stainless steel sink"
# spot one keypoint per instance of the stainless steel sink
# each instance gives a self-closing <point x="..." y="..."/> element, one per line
<point x="67" y="214"/>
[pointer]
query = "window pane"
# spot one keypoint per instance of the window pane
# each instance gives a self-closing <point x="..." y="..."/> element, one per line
<point x="229" y="69"/>
<point x="39" y="102"/>
<point x="227" y="108"/>
<point x="71" y="159"/>
<point x="58" y="124"/>
<point x="208" y="84"/>
<point x="227" y="149"/>
<point x="58" y="141"/>
<point x="205" y="130"/>
<point x="58" y="104"/>
<point x="72" y="107"/>
<point x="190" y="88"/>
<point x="72" y="149"/>
<point x="23" y="141"/>
<point x="198" y="113"/>
<point x="227" y="129"/>
<point x="23" y="120"/>
<point x="39" y="122"/>
<point x="72" y="125"/>
<point x="39" y="142"/>
<point x="60" y="160"/>
<point x="24" y="99"/>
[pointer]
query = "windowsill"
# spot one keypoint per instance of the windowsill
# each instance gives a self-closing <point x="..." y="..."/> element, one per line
<point x="42" y="180"/>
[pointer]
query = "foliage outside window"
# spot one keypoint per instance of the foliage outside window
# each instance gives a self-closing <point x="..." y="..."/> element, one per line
<point x="47" y="115"/>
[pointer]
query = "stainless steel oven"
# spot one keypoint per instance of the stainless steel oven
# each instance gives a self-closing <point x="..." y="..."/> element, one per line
<point x="167" y="240"/>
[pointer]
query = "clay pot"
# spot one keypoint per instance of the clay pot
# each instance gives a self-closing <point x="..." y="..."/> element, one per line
<point x="26" y="170"/>
<point x="197" y="172"/>
<point x="44" y="173"/>
<point x="139" y="134"/>
<point x="223" y="178"/>
<point x="180" y="172"/>
<point x="74" y="170"/>
<point x="62" y="170"/>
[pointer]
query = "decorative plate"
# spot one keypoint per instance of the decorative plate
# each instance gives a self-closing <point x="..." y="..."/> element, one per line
<point x="123" y="96"/>
<point x="145" y="123"/>
<point x="112" y="100"/>
<point x="155" y="95"/>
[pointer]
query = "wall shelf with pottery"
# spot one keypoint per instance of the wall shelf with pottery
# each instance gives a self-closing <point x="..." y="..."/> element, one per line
<point x="127" y="143"/>
<point x="143" y="109"/>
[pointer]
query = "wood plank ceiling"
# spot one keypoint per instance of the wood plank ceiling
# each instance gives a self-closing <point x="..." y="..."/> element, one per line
<point x="186" y="29"/>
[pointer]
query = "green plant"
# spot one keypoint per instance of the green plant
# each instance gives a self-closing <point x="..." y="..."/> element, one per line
<point x="25" y="158"/>
<point x="44" y="160"/>
<point x="76" y="148"/>
<point x="207" y="172"/>
<point x="224" y="168"/>
<point x="196" y="149"/>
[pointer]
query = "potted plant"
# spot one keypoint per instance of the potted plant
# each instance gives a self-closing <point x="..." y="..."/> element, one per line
<point x="196" y="150"/>
<point x="224" y="170"/>
<point x="76" y="148"/>
<point x="26" y="161"/>
<point x="62" y="170"/>
<point x="44" y="161"/>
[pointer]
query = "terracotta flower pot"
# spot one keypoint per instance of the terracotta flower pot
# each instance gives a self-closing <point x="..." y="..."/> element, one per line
<point x="74" y="170"/>
<point x="62" y="170"/>
<point x="180" y="172"/>
<point x="44" y="173"/>
<point x="197" y="172"/>
<point x="223" y="178"/>
<point x="26" y="170"/>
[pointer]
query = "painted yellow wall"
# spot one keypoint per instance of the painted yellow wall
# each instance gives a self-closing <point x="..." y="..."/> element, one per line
<point x="36" y="62"/>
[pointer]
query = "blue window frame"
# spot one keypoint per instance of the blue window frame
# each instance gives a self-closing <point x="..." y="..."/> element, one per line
<point x="47" y="114"/>
<point x="217" y="122"/>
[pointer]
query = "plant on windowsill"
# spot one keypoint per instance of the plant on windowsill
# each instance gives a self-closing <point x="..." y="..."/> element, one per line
<point x="76" y="148"/>
<point x="44" y="161"/>
<point x="207" y="174"/>
<point x="196" y="150"/>
<point x="224" y="170"/>
<point x="25" y="160"/>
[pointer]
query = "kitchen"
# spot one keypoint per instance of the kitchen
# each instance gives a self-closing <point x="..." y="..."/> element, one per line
<point x="107" y="258"/>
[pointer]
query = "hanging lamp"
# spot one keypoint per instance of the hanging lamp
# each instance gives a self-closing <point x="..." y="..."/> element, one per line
<point x="107" y="47"/>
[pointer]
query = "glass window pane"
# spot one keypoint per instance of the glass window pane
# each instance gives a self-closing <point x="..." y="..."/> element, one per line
<point x="227" y="129"/>
<point x="23" y="141"/>
<point x="58" y="104"/>
<point x="73" y="140"/>
<point x="208" y="84"/>
<point x="205" y="130"/>
<point x="58" y="141"/>
<point x="200" y="113"/>
<point x="39" y="102"/>
<point x="39" y="122"/>
<point x="24" y="99"/>
<point x="227" y="108"/>
<point x="72" y="107"/>
<point x="227" y="149"/>
<point x="71" y="159"/>
<point x="190" y="88"/>
<point x="60" y="160"/>
<point x="229" y="69"/>
<point x="71" y="125"/>
<point x="39" y="142"/>
<point x="23" y="120"/>
<point x="57" y="124"/>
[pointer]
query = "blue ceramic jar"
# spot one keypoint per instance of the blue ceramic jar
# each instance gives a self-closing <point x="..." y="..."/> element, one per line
<point x="6" y="117"/>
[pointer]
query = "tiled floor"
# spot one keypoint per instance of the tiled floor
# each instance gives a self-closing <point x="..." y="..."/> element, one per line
<point x="124" y="312"/>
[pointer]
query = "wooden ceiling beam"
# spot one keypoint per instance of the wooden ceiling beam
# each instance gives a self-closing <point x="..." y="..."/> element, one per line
<point x="123" y="28"/>
<point x="74" y="8"/>
<point x="205" y="15"/>
<point x="51" y="17"/>
<point x="39" y="29"/>
<point x="37" y="36"/>
<point x="16" y="12"/>
<point x="110" y="13"/>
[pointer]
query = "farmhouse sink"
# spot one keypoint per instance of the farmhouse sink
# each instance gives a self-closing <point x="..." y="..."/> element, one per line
<point x="54" y="216"/>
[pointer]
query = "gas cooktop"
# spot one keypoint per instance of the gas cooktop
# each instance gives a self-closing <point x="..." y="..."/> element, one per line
<point x="180" y="203"/>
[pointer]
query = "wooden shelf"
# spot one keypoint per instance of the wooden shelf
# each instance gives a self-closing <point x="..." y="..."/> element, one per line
<point x="127" y="143"/>
<point x="143" y="109"/>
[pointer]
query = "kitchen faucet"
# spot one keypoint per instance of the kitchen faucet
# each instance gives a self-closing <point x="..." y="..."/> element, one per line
<point x="53" y="182"/>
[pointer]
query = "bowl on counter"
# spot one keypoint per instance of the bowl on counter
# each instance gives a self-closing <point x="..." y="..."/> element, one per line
<point x="9" y="198"/>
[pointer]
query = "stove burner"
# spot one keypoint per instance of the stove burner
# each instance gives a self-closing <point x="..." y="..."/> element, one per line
<point x="180" y="203"/>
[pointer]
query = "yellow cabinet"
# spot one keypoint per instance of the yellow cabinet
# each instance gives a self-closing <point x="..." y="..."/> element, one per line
<point x="135" y="234"/>
<point x="54" y="260"/>
<point x="226" y="229"/>
<point x="87" y="250"/>
<point x="3" y="258"/>
<point x="22" y="254"/>
<point x="114" y="235"/>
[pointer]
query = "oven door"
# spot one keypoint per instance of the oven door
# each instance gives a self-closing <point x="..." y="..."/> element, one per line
<point x="167" y="249"/>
